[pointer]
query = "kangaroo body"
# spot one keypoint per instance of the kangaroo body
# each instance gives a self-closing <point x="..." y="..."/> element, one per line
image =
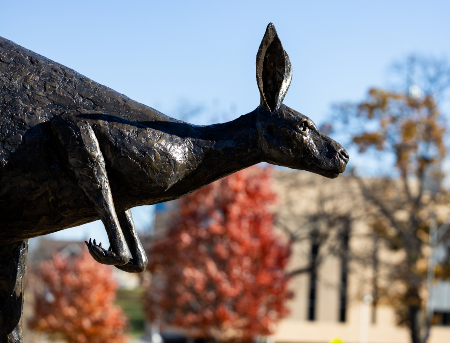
<point x="144" y="165"/>
<point x="73" y="151"/>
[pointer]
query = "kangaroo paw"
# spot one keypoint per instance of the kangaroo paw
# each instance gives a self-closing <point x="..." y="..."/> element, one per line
<point x="132" y="266"/>
<point x="106" y="256"/>
<point x="138" y="261"/>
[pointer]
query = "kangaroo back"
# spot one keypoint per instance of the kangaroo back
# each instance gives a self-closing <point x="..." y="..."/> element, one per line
<point x="34" y="89"/>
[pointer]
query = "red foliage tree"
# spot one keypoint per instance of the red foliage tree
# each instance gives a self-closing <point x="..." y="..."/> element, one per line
<point x="219" y="273"/>
<point x="76" y="301"/>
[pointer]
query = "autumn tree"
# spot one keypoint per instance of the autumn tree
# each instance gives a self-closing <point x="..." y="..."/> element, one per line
<point x="407" y="128"/>
<point x="74" y="301"/>
<point x="220" y="271"/>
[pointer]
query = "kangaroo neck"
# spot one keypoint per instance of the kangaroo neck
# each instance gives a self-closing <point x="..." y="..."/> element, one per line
<point x="209" y="153"/>
<point x="234" y="146"/>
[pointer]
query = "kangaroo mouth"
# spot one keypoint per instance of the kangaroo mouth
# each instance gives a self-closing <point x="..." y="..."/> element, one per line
<point x="331" y="174"/>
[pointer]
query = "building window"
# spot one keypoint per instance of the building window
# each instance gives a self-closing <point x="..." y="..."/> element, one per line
<point x="313" y="279"/>
<point x="344" y="273"/>
<point x="441" y="318"/>
<point x="343" y="297"/>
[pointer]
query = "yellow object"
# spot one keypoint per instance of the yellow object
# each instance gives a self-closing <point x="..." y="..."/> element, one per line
<point x="336" y="340"/>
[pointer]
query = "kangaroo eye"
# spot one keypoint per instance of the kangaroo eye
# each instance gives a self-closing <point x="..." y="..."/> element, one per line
<point x="304" y="126"/>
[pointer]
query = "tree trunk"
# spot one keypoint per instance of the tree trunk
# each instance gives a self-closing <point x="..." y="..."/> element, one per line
<point x="419" y="327"/>
<point x="414" y="326"/>
<point x="13" y="271"/>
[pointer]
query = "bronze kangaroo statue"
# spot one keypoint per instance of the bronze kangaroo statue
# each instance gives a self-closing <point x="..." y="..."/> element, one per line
<point x="73" y="151"/>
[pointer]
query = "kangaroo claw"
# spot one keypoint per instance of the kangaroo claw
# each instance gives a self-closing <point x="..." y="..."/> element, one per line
<point x="106" y="256"/>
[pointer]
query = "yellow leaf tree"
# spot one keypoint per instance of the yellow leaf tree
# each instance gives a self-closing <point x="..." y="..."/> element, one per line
<point x="404" y="133"/>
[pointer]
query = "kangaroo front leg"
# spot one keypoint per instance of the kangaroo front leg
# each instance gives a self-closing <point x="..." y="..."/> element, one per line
<point x="86" y="161"/>
<point x="138" y="261"/>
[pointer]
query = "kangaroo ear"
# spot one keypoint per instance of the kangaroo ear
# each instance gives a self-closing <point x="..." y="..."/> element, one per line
<point x="273" y="70"/>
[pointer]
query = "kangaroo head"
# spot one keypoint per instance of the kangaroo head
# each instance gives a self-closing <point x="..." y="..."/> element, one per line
<point x="287" y="137"/>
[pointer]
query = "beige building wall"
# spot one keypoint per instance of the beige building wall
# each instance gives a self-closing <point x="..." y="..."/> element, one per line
<point x="328" y="291"/>
<point x="298" y="197"/>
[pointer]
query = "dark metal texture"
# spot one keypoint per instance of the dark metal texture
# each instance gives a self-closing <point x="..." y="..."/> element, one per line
<point x="73" y="151"/>
<point x="13" y="272"/>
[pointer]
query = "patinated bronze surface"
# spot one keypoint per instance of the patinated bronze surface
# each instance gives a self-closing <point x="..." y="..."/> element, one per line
<point x="13" y="271"/>
<point x="73" y="151"/>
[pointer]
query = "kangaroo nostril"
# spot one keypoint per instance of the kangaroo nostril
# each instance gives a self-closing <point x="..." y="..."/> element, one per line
<point x="344" y="154"/>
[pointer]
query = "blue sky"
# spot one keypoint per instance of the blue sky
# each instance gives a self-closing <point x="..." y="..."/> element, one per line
<point x="176" y="56"/>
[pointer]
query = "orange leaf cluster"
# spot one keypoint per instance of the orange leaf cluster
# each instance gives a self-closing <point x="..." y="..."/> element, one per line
<point x="76" y="301"/>
<point x="220" y="271"/>
<point x="411" y="128"/>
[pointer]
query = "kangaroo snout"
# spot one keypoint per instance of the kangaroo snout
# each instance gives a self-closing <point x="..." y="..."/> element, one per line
<point x="343" y="155"/>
